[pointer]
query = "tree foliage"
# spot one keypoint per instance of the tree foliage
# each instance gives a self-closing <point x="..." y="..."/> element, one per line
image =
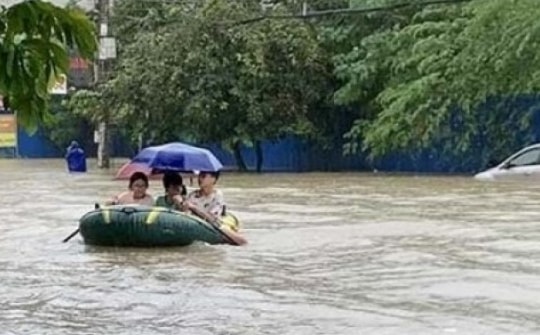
<point x="404" y="79"/>
<point x="34" y="37"/>
<point x="64" y="125"/>
<point x="192" y="77"/>
<point x="437" y="70"/>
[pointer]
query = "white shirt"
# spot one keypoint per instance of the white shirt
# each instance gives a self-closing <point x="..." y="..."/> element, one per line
<point x="212" y="203"/>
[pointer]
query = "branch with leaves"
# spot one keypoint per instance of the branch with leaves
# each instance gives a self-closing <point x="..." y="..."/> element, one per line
<point x="35" y="37"/>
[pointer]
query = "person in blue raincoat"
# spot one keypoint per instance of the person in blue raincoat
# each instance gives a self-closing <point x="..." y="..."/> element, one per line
<point x="75" y="158"/>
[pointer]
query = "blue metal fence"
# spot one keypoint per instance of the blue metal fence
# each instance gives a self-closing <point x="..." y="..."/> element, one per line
<point x="295" y="155"/>
<point x="36" y="145"/>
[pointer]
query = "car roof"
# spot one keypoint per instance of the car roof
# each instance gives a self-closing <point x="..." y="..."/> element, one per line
<point x="520" y="151"/>
<point x="532" y="146"/>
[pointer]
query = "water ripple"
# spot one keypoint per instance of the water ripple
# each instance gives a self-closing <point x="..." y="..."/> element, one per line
<point x="328" y="254"/>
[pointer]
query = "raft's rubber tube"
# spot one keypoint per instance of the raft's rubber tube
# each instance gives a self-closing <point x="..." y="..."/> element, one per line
<point x="142" y="226"/>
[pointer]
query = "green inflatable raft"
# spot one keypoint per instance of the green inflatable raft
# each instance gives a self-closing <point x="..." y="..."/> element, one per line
<point x="142" y="226"/>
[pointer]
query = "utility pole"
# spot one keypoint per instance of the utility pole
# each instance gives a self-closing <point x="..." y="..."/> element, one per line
<point x="107" y="51"/>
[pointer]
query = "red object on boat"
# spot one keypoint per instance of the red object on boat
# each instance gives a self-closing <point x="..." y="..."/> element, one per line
<point x="130" y="168"/>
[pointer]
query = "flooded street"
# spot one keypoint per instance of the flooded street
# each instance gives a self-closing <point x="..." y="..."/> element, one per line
<point x="328" y="254"/>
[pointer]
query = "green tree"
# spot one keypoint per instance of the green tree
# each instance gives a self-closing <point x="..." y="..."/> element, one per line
<point x="443" y="64"/>
<point x="34" y="39"/>
<point x="263" y="78"/>
<point x="64" y="126"/>
<point x="198" y="76"/>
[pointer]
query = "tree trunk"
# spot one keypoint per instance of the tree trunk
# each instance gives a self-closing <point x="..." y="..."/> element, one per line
<point x="103" y="146"/>
<point x="259" y="153"/>
<point x="242" y="167"/>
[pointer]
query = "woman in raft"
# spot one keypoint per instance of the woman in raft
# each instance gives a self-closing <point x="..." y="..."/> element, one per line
<point x="137" y="193"/>
<point x="206" y="202"/>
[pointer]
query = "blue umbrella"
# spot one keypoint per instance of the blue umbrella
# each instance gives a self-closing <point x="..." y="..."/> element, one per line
<point x="178" y="157"/>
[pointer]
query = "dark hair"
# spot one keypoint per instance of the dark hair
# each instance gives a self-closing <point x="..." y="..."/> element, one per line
<point x="136" y="176"/>
<point x="214" y="174"/>
<point x="173" y="179"/>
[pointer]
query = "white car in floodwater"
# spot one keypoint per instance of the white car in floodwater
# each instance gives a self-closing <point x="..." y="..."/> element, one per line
<point x="523" y="165"/>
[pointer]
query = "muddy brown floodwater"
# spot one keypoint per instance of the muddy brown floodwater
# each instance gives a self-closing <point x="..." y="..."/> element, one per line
<point x="328" y="254"/>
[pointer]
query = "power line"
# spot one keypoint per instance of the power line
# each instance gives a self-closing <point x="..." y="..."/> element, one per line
<point x="305" y="15"/>
<point x="346" y="11"/>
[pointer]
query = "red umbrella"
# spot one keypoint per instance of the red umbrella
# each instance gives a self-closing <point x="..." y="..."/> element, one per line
<point x="130" y="168"/>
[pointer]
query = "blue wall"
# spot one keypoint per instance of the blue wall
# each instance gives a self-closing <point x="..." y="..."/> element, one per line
<point x="279" y="156"/>
<point x="441" y="157"/>
<point x="36" y="145"/>
<point x="294" y="155"/>
<point x="39" y="146"/>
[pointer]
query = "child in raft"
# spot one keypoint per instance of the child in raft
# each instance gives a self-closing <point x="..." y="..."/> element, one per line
<point x="138" y="185"/>
<point x="208" y="203"/>
<point x="175" y="192"/>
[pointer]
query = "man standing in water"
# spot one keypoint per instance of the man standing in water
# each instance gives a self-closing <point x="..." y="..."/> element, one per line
<point x="208" y="203"/>
<point x="75" y="158"/>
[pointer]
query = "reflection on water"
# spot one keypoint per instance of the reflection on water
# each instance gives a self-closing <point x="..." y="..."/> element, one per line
<point x="328" y="254"/>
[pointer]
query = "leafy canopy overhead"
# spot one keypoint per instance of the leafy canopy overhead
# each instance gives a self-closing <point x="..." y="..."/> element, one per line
<point x="35" y="38"/>
<point x="441" y="62"/>
<point x="214" y="82"/>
